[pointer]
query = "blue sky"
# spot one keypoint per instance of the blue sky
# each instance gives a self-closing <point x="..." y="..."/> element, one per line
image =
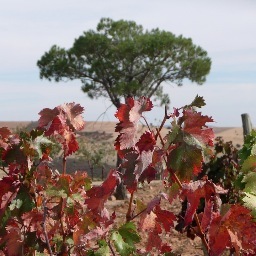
<point x="225" y="29"/>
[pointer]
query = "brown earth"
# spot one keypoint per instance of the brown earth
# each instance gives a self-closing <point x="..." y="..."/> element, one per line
<point x="180" y="243"/>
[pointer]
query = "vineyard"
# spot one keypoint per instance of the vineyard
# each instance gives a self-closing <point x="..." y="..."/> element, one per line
<point x="204" y="196"/>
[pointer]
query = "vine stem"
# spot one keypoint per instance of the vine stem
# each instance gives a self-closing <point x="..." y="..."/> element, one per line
<point x="166" y="117"/>
<point x="169" y="169"/>
<point x="201" y="233"/>
<point x="146" y="122"/>
<point x="3" y="169"/>
<point x="111" y="248"/>
<point x="128" y="215"/>
<point x="138" y="214"/>
<point x="44" y="228"/>
<point x="64" y="166"/>
<point x="61" y="221"/>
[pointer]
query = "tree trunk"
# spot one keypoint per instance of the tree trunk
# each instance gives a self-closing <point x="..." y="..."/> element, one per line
<point x="120" y="193"/>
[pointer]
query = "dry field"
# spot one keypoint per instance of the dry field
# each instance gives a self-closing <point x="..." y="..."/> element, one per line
<point x="234" y="134"/>
<point x="105" y="131"/>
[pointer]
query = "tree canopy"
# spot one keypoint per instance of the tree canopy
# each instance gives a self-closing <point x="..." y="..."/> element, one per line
<point x="121" y="59"/>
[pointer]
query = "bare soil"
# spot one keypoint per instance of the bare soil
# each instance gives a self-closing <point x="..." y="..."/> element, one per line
<point x="180" y="243"/>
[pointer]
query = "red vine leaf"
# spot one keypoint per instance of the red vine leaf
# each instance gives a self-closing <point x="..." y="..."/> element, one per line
<point x="236" y="243"/>
<point x="129" y="114"/>
<point x="13" y="239"/>
<point x="70" y="112"/>
<point x="69" y="142"/>
<point x="61" y="122"/>
<point x="156" y="201"/>
<point x="9" y="188"/>
<point x="152" y="220"/>
<point x="134" y="165"/>
<point x="154" y="240"/>
<point x="123" y="111"/>
<point x="133" y="109"/>
<point x="236" y="229"/>
<point x="98" y="195"/>
<point x="147" y="221"/>
<point x="32" y="220"/>
<point x="47" y="115"/>
<point x="194" y="191"/>
<point x="187" y="143"/>
<point x="64" y="136"/>
<point x="137" y="153"/>
<point x="56" y="126"/>
<point x="94" y="234"/>
<point x="4" y="135"/>
<point x="148" y="174"/>
<point x="131" y="165"/>
<point x="207" y="215"/>
<point x="195" y="124"/>
<point x="140" y="106"/>
<point x="73" y="113"/>
<point x="126" y="139"/>
<point x="166" y="218"/>
<point x="157" y="156"/>
<point x="146" y="142"/>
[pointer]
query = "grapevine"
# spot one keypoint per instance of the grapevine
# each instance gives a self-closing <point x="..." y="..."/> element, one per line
<point x="49" y="212"/>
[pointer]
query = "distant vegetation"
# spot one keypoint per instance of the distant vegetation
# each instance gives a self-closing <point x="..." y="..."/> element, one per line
<point x="120" y="59"/>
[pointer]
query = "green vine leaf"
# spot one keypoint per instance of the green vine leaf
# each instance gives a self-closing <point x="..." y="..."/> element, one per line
<point x="186" y="161"/>
<point x="249" y="147"/>
<point x="198" y="102"/>
<point x="249" y="164"/>
<point x="56" y="192"/>
<point x="38" y="142"/>
<point x="250" y="202"/>
<point x="250" y="192"/>
<point x="15" y="204"/>
<point x="103" y="250"/>
<point x="124" y="239"/>
<point x="129" y="233"/>
<point x="121" y="246"/>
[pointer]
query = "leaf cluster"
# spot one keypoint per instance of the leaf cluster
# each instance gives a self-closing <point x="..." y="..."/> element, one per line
<point x="248" y="176"/>
<point x="223" y="168"/>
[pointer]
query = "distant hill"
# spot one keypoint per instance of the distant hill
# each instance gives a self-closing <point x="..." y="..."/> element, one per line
<point x="234" y="134"/>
